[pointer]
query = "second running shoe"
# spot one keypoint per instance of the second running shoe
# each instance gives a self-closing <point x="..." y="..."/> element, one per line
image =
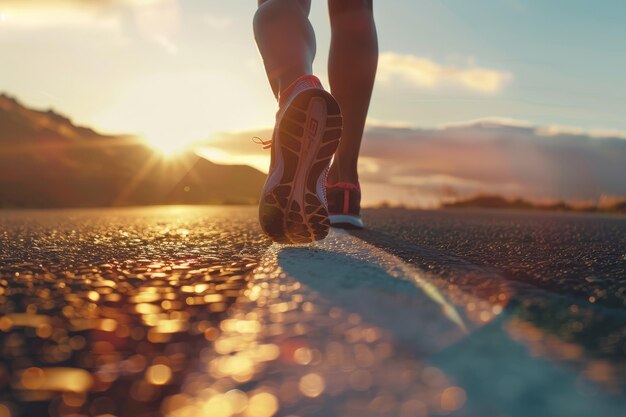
<point x="344" y="205"/>
<point x="293" y="206"/>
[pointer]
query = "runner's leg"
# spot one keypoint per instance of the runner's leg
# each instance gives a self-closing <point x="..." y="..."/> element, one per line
<point x="352" y="69"/>
<point x="286" y="40"/>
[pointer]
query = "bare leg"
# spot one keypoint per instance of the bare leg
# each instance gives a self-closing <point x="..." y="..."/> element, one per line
<point x="352" y="69"/>
<point x="285" y="39"/>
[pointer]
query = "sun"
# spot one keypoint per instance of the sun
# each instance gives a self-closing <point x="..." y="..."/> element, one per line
<point x="168" y="146"/>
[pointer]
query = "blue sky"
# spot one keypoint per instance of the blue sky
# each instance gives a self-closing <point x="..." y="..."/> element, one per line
<point x="181" y="71"/>
<point x="566" y="57"/>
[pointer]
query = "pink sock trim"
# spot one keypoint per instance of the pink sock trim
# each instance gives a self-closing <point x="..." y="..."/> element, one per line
<point x="346" y="201"/>
<point x="344" y="185"/>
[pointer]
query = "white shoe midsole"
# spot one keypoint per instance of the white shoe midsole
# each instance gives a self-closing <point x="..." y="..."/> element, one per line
<point x="345" y="218"/>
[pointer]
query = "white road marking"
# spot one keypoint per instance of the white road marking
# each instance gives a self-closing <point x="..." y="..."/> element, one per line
<point x="379" y="286"/>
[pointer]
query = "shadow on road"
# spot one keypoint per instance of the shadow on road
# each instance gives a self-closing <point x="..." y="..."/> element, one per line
<point x="543" y="342"/>
<point x="414" y="313"/>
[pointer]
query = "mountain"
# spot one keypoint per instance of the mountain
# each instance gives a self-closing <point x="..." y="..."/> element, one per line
<point x="46" y="161"/>
<point x="486" y="201"/>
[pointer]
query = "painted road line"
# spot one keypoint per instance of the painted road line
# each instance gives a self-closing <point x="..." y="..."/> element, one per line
<point x="338" y="320"/>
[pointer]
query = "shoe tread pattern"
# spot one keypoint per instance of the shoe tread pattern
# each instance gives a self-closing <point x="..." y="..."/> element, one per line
<point x="288" y="216"/>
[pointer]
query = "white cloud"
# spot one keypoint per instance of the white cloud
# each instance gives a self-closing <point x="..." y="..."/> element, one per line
<point x="40" y="15"/>
<point x="159" y="21"/>
<point x="156" y="20"/>
<point x="556" y="130"/>
<point x="217" y="22"/>
<point x="547" y="130"/>
<point x="425" y="73"/>
<point x="513" y="158"/>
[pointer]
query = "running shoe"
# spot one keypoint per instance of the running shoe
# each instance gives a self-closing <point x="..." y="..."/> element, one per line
<point x="293" y="207"/>
<point x="344" y="205"/>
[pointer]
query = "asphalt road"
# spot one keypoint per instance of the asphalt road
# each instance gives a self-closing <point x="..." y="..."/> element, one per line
<point x="191" y="311"/>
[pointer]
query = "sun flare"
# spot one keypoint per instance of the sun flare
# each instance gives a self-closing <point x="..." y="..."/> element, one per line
<point x="167" y="146"/>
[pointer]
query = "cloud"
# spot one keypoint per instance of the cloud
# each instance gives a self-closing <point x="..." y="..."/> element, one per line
<point x="36" y="14"/>
<point x="71" y="3"/>
<point x="486" y="156"/>
<point x="516" y="159"/>
<point x="217" y="22"/>
<point x="158" y="21"/>
<point x="425" y="73"/>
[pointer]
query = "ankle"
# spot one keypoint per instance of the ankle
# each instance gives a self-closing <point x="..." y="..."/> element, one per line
<point x="288" y="85"/>
<point x="338" y="173"/>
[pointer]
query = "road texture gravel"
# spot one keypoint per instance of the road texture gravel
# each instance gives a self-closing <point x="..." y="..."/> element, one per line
<point x="187" y="311"/>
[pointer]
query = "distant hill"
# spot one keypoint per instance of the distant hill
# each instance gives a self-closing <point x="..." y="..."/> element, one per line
<point x="499" y="202"/>
<point x="46" y="161"/>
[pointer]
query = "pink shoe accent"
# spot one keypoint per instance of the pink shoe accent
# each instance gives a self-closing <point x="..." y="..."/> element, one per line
<point x="302" y="83"/>
<point x="347" y="187"/>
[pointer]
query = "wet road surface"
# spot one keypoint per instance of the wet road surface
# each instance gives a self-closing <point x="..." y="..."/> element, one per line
<point x="187" y="311"/>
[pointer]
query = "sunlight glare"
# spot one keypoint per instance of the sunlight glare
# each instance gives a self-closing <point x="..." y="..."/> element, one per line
<point x="170" y="110"/>
<point x="219" y="156"/>
<point x="166" y="145"/>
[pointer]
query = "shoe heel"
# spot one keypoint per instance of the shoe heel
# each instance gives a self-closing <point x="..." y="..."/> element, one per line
<point x="294" y="210"/>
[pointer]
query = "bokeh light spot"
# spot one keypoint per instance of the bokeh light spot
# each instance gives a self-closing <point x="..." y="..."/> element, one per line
<point x="158" y="374"/>
<point x="312" y="385"/>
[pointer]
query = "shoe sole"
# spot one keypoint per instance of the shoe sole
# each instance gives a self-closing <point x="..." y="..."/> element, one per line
<point x="345" y="221"/>
<point x="293" y="205"/>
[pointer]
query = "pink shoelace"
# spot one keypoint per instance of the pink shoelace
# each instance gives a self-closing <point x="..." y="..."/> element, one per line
<point x="265" y="143"/>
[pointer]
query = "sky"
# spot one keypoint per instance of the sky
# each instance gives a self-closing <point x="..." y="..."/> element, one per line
<point x="184" y="71"/>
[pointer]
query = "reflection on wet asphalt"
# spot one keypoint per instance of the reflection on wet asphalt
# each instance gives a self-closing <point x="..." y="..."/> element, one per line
<point x="190" y="311"/>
